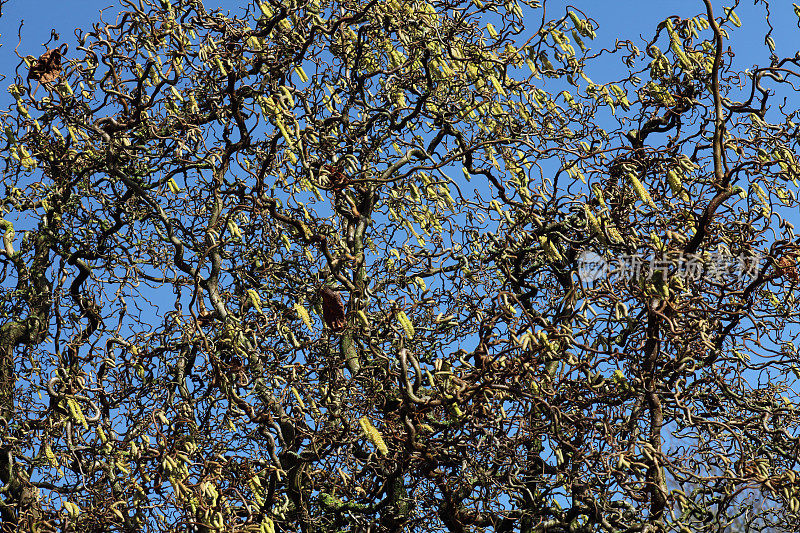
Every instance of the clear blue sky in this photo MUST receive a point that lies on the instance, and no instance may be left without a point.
(629, 18)
(617, 18)
(632, 19)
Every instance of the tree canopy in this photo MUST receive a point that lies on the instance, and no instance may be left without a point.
(420, 266)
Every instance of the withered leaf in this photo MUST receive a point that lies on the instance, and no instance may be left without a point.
(787, 266)
(333, 309)
(47, 67)
(337, 178)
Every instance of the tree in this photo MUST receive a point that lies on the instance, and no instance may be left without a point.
(325, 266)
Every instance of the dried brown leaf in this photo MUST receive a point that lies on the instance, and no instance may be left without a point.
(47, 68)
(333, 309)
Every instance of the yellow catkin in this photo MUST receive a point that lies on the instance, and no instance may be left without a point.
(373, 435)
(676, 186)
(255, 299)
(644, 196)
(173, 186)
(406, 324)
(594, 224)
(616, 238)
(73, 510)
(362, 316)
(598, 193)
(51, 457)
(303, 314)
(299, 399)
(550, 249)
(76, 412)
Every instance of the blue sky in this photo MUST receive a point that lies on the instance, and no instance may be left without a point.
(625, 19)
(633, 19)
(629, 18)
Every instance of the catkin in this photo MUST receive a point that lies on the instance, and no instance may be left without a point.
(675, 184)
(51, 457)
(255, 299)
(303, 314)
(594, 224)
(406, 324)
(373, 435)
(644, 196)
(76, 412)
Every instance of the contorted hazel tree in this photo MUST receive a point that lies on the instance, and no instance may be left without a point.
(190, 189)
